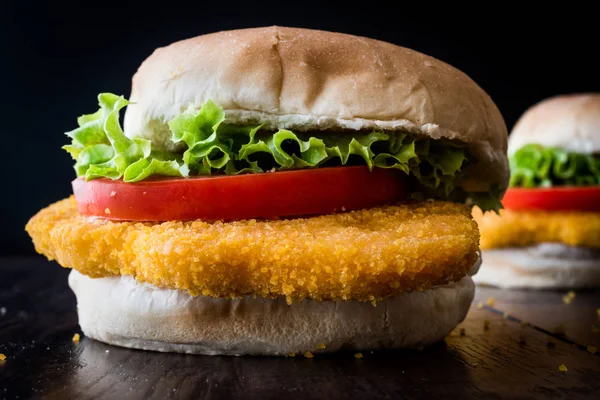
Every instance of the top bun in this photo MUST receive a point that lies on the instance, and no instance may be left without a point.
(571, 122)
(307, 80)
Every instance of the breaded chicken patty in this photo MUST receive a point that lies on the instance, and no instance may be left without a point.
(524, 228)
(367, 255)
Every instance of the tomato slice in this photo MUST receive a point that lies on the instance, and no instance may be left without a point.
(231, 197)
(560, 198)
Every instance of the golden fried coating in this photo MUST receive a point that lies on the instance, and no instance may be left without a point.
(524, 228)
(365, 255)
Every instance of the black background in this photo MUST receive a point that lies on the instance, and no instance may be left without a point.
(56, 57)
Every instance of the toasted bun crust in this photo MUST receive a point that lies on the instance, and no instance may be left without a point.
(546, 265)
(119, 311)
(571, 122)
(315, 80)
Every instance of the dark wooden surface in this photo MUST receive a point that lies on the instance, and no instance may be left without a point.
(517, 356)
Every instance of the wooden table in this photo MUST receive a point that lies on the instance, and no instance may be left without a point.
(511, 347)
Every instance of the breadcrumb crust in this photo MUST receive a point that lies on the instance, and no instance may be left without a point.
(524, 228)
(366, 255)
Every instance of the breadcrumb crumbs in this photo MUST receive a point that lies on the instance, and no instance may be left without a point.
(363, 255)
(2, 357)
(480, 305)
(562, 368)
(308, 354)
(321, 346)
(291, 354)
(491, 301)
(568, 298)
(592, 349)
(76, 338)
(358, 355)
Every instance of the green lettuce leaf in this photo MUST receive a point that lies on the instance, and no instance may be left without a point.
(487, 201)
(534, 165)
(101, 149)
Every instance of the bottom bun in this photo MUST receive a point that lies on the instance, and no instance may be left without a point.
(545, 265)
(120, 311)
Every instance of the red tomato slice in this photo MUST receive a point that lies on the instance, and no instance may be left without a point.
(231, 197)
(560, 198)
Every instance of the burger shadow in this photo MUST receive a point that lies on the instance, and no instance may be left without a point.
(113, 372)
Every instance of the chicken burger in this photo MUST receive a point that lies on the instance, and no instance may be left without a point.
(277, 191)
(548, 235)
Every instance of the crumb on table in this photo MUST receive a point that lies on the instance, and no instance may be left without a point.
(562, 368)
(592, 349)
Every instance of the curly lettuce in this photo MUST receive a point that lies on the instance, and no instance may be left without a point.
(211, 146)
(534, 165)
(101, 149)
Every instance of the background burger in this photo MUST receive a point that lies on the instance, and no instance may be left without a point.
(548, 235)
(278, 191)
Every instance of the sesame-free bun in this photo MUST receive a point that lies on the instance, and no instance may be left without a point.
(540, 266)
(120, 311)
(310, 80)
(571, 122)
